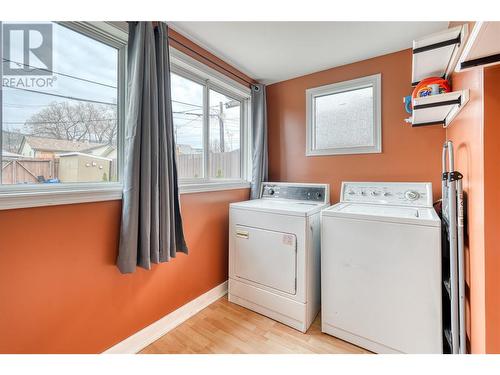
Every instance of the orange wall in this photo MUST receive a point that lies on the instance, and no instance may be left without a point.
(409, 154)
(492, 205)
(60, 291)
(476, 137)
(466, 132)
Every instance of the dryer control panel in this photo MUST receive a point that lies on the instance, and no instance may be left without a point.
(415, 194)
(318, 193)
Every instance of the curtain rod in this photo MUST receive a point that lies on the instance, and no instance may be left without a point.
(209, 60)
(155, 24)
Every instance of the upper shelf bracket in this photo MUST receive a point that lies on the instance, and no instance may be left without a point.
(437, 54)
(438, 109)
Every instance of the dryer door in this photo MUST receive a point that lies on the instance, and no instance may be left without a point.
(266, 257)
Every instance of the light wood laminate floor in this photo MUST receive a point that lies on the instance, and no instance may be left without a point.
(224, 327)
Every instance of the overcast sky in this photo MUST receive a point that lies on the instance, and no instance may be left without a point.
(73, 54)
(187, 98)
(77, 55)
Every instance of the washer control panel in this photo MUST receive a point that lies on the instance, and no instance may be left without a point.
(418, 194)
(318, 193)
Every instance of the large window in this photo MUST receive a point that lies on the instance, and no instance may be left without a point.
(62, 111)
(60, 105)
(210, 125)
(344, 118)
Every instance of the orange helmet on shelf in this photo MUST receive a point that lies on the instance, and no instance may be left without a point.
(431, 86)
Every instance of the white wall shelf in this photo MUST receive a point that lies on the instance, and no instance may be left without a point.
(482, 47)
(438, 109)
(437, 54)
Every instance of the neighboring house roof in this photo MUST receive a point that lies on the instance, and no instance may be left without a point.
(57, 145)
(85, 155)
(104, 152)
(184, 149)
(187, 149)
(10, 155)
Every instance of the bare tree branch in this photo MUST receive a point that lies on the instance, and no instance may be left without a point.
(88, 122)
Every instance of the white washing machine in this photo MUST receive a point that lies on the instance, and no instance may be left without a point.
(381, 268)
(274, 252)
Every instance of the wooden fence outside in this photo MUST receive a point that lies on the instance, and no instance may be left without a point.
(221, 164)
(28, 170)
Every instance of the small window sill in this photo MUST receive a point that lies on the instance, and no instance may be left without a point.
(19, 196)
(344, 151)
(202, 187)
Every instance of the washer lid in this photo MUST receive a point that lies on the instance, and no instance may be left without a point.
(380, 210)
(397, 214)
(283, 207)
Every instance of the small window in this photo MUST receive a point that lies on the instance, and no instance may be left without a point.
(345, 117)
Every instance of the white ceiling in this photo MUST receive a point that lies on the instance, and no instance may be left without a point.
(275, 51)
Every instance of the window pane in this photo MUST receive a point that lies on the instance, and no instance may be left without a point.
(225, 120)
(59, 107)
(344, 119)
(187, 105)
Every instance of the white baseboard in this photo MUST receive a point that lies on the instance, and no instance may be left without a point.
(139, 340)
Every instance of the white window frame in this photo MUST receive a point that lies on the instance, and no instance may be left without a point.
(187, 67)
(116, 35)
(36, 195)
(374, 81)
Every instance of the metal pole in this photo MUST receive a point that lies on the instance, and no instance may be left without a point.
(452, 209)
(221, 126)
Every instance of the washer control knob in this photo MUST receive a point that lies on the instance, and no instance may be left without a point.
(412, 195)
(271, 191)
(363, 192)
(374, 193)
(318, 195)
(387, 194)
(351, 192)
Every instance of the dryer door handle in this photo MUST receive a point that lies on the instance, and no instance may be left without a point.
(242, 234)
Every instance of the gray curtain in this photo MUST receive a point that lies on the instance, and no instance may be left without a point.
(259, 139)
(151, 226)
